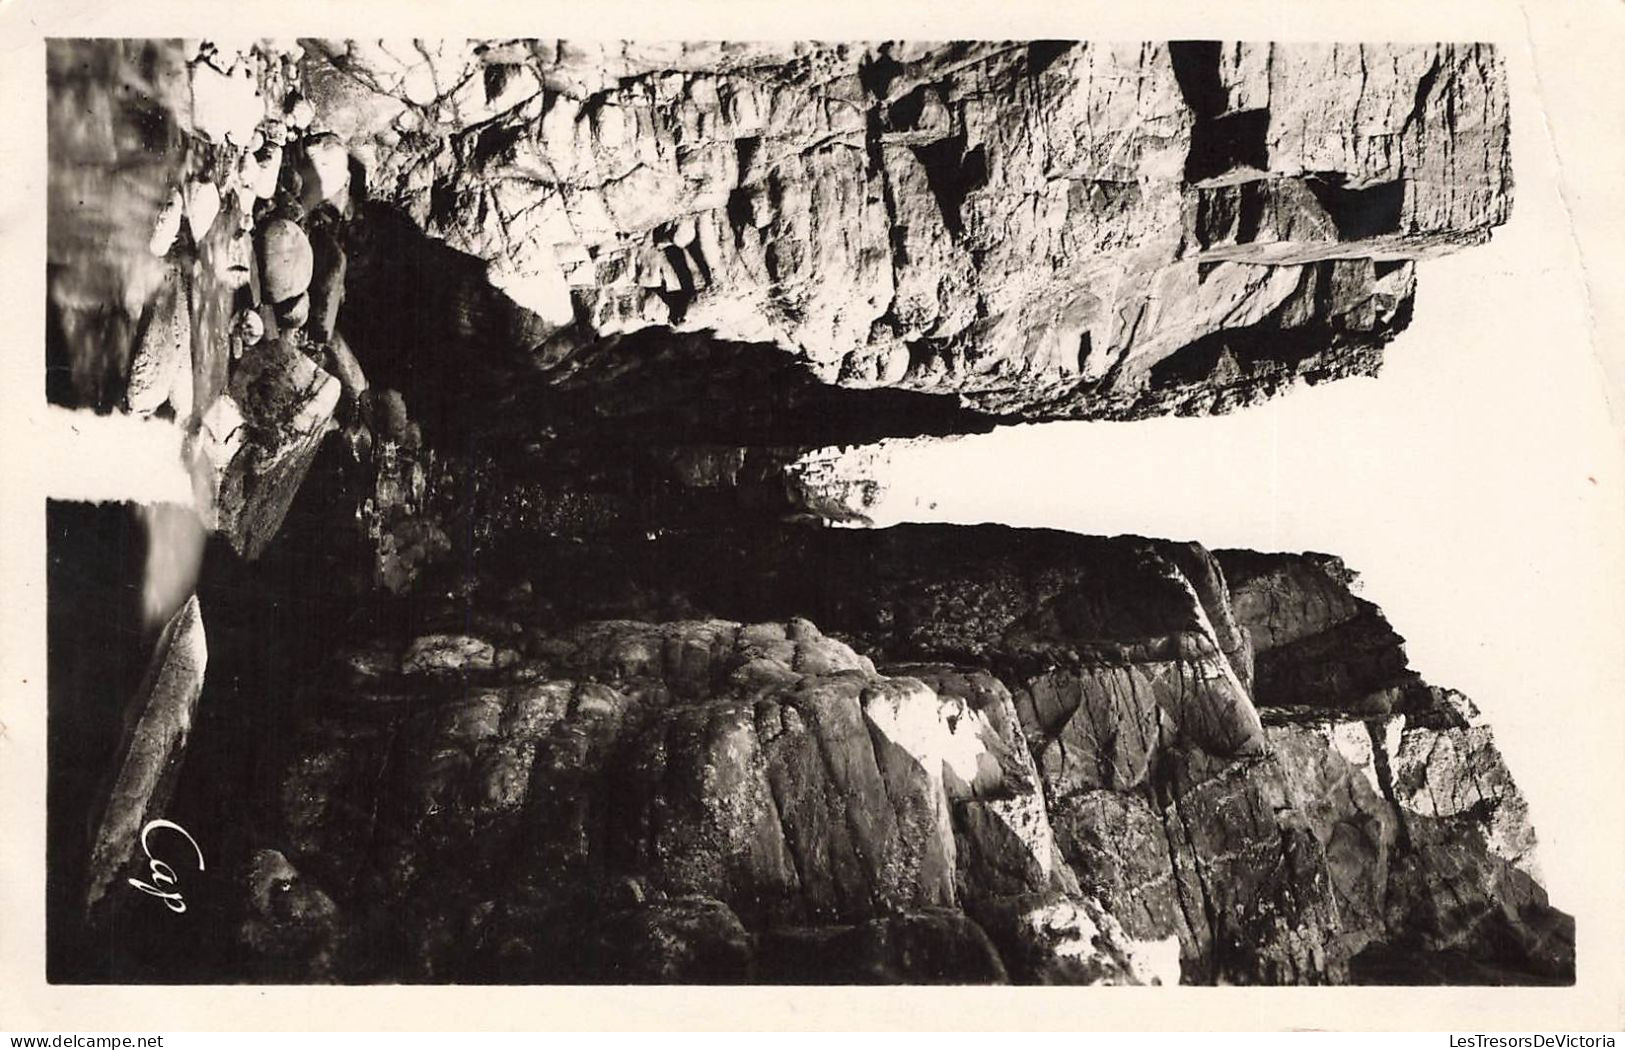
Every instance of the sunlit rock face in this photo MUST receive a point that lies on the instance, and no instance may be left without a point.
(522, 384)
(1018, 735)
(640, 282)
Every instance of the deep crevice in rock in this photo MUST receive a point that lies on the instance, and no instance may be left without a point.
(1221, 141)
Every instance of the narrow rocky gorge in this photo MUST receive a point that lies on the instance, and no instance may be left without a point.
(523, 384)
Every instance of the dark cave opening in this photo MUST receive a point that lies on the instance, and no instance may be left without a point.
(1361, 213)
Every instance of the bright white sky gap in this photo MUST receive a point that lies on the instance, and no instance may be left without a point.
(1468, 485)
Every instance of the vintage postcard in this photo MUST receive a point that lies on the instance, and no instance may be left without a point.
(721, 517)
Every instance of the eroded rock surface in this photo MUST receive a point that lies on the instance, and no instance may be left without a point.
(659, 281)
(995, 755)
(1043, 230)
(148, 760)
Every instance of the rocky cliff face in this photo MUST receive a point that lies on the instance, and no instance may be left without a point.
(984, 754)
(600, 264)
(519, 379)
(1041, 230)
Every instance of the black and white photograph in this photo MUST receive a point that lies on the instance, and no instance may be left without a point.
(753, 511)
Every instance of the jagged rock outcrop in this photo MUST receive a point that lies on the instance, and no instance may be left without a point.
(696, 262)
(1043, 229)
(148, 760)
(1030, 756)
(572, 253)
(761, 773)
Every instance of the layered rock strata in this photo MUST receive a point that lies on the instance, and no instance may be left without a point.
(609, 268)
(519, 378)
(1040, 230)
(1015, 756)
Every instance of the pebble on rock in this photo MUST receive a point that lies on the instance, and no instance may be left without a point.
(202, 207)
(300, 112)
(249, 327)
(325, 171)
(285, 260)
(168, 226)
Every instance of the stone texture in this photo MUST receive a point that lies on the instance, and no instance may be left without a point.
(763, 247)
(922, 947)
(287, 405)
(1059, 939)
(161, 370)
(1456, 771)
(786, 808)
(707, 759)
(113, 167)
(979, 230)
(148, 760)
(285, 260)
(146, 312)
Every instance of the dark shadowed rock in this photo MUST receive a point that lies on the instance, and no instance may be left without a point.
(906, 823)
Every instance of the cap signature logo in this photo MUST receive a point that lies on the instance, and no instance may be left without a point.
(161, 873)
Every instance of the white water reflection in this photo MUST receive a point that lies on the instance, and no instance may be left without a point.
(120, 458)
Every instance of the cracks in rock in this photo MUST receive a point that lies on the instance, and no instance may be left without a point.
(391, 757)
(869, 867)
(1171, 811)
(776, 800)
(876, 75)
(1424, 90)
(609, 389)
